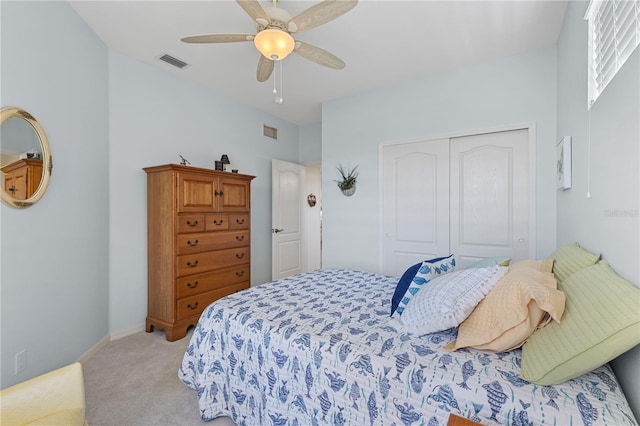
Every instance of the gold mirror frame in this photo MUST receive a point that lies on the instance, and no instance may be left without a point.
(47, 164)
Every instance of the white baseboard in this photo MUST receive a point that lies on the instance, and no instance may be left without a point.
(92, 351)
(110, 338)
(127, 332)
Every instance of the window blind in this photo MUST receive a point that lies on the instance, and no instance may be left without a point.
(614, 33)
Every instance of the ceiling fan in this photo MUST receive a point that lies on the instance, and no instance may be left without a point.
(275, 27)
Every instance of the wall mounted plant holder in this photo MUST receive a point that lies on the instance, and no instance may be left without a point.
(347, 182)
(349, 192)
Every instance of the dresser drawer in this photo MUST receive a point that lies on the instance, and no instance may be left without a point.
(238, 221)
(201, 262)
(191, 223)
(207, 241)
(192, 306)
(201, 283)
(217, 222)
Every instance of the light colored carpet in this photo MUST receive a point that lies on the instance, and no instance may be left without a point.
(134, 381)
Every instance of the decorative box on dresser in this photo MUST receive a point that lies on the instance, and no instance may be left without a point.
(198, 233)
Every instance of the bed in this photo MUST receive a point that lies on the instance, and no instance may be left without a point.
(321, 348)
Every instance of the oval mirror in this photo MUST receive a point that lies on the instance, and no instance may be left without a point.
(25, 158)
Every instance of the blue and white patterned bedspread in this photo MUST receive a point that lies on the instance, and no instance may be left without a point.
(317, 348)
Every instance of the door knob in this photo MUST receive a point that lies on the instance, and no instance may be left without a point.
(521, 240)
(277, 230)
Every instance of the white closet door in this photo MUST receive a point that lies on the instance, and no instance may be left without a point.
(415, 180)
(490, 196)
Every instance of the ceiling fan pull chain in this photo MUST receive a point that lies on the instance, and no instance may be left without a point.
(278, 67)
(275, 91)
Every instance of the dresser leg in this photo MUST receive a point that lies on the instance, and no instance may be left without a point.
(176, 333)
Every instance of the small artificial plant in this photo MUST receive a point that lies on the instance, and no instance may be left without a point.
(348, 176)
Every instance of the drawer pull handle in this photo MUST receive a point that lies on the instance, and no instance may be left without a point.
(240, 255)
(216, 193)
(192, 284)
(192, 244)
(240, 237)
(194, 223)
(240, 273)
(192, 307)
(240, 221)
(192, 265)
(218, 223)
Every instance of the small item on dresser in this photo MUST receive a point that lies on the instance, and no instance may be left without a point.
(234, 170)
(224, 160)
(183, 161)
(219, 165)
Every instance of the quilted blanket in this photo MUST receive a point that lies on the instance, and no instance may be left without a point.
(319, 348)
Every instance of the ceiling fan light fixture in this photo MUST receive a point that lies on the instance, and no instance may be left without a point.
(274, 44)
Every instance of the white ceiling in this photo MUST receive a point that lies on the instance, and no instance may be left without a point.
(382, 42)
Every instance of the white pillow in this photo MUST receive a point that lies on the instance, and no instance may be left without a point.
(449, 299)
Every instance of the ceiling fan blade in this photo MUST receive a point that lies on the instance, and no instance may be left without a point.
(265, 68)
(253, 9)
(319, 14)
(318, 55)
(218, 38)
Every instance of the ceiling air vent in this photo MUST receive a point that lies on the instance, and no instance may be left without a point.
(270, 132)
(173, 61)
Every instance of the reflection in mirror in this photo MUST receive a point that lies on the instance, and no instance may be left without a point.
(25, 159)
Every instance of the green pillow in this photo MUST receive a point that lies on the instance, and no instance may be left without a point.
(570, 259)
(601, 320)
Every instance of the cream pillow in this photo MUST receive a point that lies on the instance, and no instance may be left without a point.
(514, 308)
(545, 265)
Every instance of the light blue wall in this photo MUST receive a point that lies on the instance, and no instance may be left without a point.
(517, 90)
(608, 222)
(54, 278)
(310, 144)
(153, 117)
(74, 265)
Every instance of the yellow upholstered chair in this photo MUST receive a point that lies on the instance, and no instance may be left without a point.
(54, 398)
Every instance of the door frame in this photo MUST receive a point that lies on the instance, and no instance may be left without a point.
(529, 126)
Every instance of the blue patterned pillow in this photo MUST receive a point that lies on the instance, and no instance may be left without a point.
(417, 276)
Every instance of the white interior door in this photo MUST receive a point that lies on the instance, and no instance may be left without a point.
(288, 219)
(415, 198)
(490, 196)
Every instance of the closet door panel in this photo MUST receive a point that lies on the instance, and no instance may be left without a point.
(415, 203)
(490, 198)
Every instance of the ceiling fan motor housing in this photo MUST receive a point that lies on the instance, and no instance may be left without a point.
(279, 19)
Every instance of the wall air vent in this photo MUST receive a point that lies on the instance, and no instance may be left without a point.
(270, 132)
(173, 61)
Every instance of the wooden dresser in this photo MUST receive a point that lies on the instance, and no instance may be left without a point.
(22, 178)
(199, 244)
